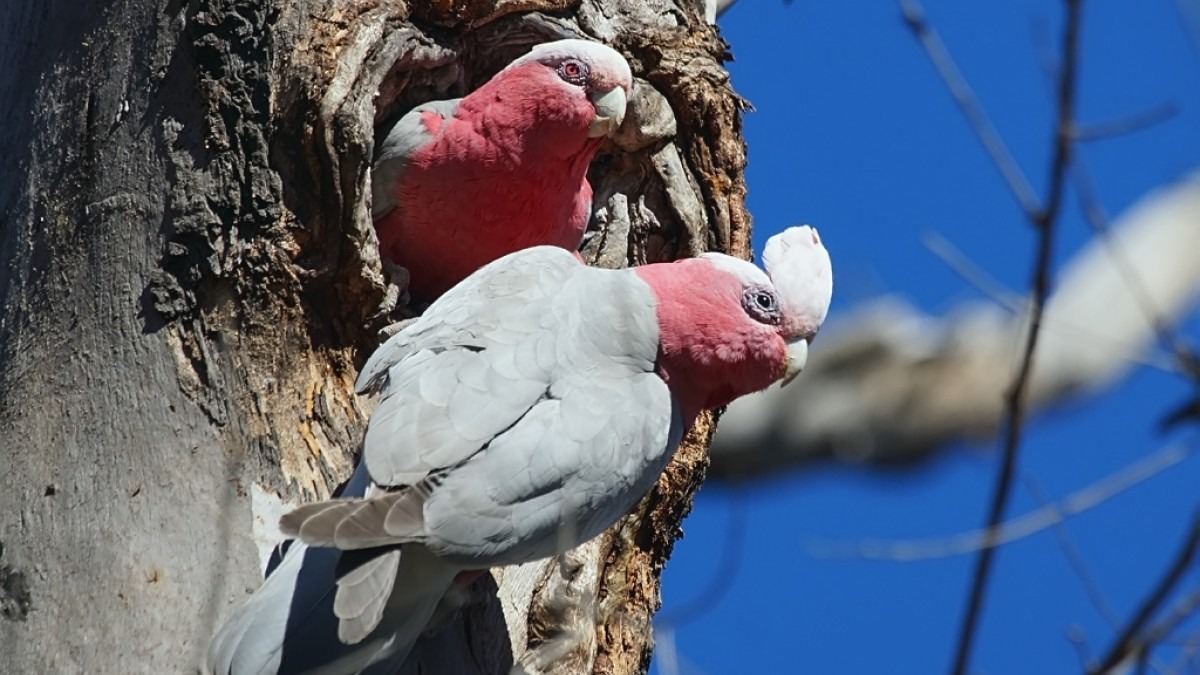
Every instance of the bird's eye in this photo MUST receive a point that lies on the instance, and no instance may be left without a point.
(762, 305)
(573, 71)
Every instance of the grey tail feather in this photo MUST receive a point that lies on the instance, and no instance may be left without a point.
(322, 524)
(363, 525)
(289, 625)
(316, 611)
(351, 524)
(405, 517)
(309, 522)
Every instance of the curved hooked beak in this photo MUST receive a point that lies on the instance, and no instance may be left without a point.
(610, 112)
(797, 356)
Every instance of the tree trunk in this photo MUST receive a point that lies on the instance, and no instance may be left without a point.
(189, 281)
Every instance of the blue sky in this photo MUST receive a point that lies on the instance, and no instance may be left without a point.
(855, 134)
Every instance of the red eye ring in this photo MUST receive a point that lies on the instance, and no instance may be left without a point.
(573, 71)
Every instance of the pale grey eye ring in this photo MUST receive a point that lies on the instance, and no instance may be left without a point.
(762, 305)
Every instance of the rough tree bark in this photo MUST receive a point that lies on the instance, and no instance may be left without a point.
(188, 283)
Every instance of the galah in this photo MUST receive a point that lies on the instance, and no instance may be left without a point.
(525, 412)
(457, 184)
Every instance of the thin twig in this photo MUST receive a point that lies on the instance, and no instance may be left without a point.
(1128, 643)
(1186, 361)
(1187, 652)
(1031, 523)
(1189, 12)
(1127, 125)
(1078, 640)
(1097, 218)
(975, 276)
(914, 18)
(1074, 558)
(968, 271)
(1182, 611)
(1090, 587)
(1044, 221)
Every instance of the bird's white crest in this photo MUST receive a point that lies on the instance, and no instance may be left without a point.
(746, 272)
(800, 269)
(598, 56)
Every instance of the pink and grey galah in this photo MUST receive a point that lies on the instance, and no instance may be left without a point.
(524, 413)
(457, 184)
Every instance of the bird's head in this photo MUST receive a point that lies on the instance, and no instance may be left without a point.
(590, 77)
(727, 329)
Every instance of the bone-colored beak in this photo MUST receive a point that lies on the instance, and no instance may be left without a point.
(610, 112)
(797, 356)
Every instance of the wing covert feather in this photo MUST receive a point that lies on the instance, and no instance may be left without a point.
(500, 303)
(409, 135)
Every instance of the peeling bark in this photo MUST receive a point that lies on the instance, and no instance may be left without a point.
(188, 281)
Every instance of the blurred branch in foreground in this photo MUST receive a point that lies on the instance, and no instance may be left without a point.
(1038, 520)
(888, 384)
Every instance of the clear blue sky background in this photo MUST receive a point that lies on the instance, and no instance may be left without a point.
(855, 134)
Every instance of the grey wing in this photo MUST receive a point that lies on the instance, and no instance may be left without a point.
(535, 347)
(408, 135)
(582, 456)
(499, 304)
(562, 475)
(478, 361)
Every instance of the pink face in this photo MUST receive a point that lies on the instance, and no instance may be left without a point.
(590, 73)
(727, 329)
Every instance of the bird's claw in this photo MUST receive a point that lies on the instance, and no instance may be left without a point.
(389, 330)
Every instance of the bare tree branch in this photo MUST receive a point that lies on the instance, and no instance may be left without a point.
(1184, 609)
(968, 271)
(1074, 558)
(935, 49)
(1127, 125)
(1045, 221)
(1190, 649)
(1130, 642)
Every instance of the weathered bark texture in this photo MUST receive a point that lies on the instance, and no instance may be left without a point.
(188, 280)
(890, 385)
